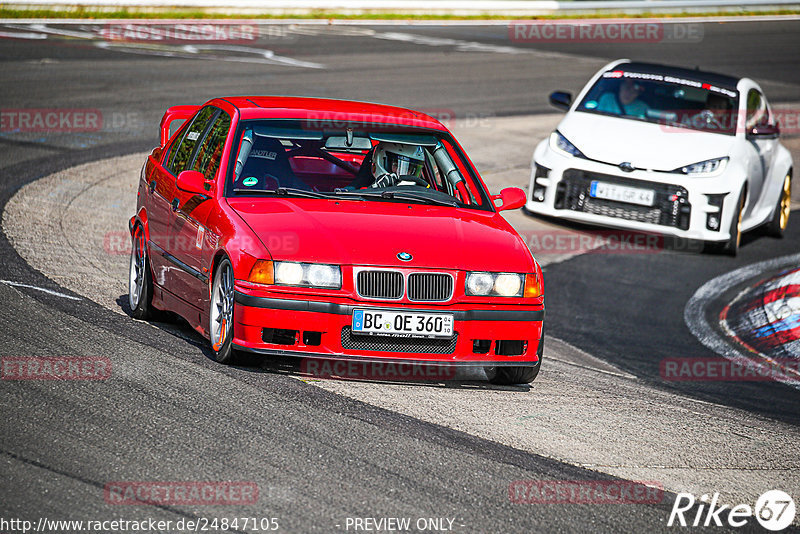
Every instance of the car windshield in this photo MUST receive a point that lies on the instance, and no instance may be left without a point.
(298, 158)
(668, 100)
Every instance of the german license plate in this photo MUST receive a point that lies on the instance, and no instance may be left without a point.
(401, 323)
(621, 193)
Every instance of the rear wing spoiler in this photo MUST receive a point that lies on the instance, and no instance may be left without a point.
(175, 113)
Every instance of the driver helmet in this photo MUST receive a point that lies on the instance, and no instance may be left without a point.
(397, 158)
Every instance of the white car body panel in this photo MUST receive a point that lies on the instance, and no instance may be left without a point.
(756, 165)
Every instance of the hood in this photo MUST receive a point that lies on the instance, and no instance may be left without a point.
(373, 233)
(645, 145)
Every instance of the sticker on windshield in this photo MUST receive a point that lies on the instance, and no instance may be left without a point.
(250, 181)
(669, 79)
(591, 104)
(266, 154)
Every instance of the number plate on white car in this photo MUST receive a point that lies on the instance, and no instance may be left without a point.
(401, 323)
(621, 193)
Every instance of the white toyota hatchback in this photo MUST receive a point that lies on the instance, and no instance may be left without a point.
(666, 150)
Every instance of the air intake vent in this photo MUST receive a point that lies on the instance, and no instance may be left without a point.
(430, 287)
(352, 341)
(380, 284)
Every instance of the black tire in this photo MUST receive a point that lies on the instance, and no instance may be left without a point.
(780, 216)
(140, 278)
(731, 246)
(509, 376)
(221, 312)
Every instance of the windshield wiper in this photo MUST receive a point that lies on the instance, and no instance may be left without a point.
(283, 192)
(392, 195)
(418, 198)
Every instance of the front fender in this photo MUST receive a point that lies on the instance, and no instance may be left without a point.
(140, 218)
(781, 166)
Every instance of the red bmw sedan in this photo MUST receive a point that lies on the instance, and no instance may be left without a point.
(333, 229)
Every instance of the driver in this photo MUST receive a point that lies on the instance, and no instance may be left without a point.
(397, 164)
(625, 101)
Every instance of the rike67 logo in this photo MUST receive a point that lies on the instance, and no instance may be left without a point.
(774, 510)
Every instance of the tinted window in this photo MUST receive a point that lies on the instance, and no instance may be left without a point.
(756, 109)
(209, 154)
(376, 163)
(664, 100)
(183, 154)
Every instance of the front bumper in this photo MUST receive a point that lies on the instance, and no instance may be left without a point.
(321, 329)
(682, 208)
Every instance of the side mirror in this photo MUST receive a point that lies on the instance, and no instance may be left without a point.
(765, 131)
(192, 182)
(561, 100)
(509, 198)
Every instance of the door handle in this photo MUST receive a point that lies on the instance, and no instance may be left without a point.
(175, 204)
(152, 186)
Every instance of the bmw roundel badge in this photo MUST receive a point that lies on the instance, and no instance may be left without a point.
(404, 256)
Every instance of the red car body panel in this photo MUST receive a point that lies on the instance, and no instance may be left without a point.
(187, 234)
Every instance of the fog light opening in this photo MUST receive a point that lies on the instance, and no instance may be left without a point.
(312, 338)
(481, 346)
(539, 189)
(279, 336)
(510, 347)
(713, 219)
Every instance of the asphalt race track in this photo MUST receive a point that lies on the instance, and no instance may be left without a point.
(323, 451)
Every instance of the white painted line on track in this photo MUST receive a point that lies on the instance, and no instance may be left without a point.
(694, 314)
(37, 288)
(188, 51)
(193, 52)
(21, 35)
(460, 45)
(43, 28)
(266, 54)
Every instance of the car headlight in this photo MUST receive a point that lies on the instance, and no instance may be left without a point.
(308, 274)
(710, 166)
(561, 144)
(494, 284)
(479, 283)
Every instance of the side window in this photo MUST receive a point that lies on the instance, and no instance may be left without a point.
(209, 154)
(183, 153)
(756, 109)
